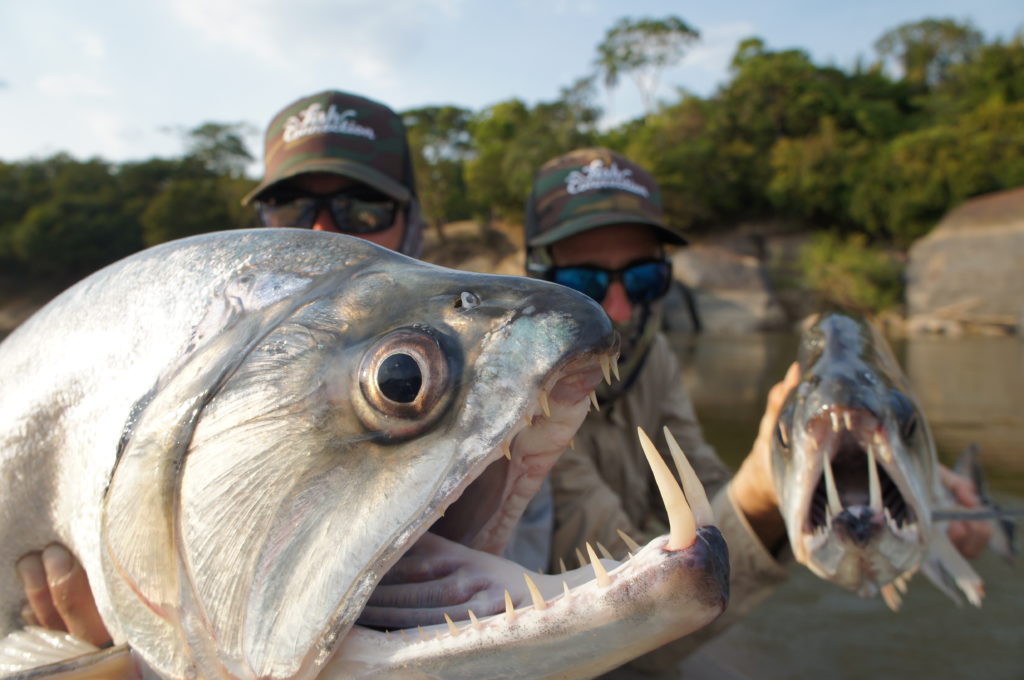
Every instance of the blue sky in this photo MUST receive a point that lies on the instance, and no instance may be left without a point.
(116, 78)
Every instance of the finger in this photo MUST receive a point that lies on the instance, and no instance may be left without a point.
(969, 538)
(961, 487)
(28, 616)
(33, 580)
(72, 596)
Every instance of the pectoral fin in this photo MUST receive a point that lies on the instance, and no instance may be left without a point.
(37, 653)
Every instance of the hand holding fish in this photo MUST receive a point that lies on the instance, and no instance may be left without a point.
(59, 596)
(752, 488)
(969, 537)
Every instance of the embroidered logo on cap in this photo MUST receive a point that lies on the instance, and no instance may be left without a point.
(596, 176)
(314, 121)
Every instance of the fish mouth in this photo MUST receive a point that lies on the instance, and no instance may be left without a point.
(449, 595)
(859, 492)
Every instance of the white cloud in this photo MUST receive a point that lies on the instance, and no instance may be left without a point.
(92, 45)
(368, 39)
(71, 85)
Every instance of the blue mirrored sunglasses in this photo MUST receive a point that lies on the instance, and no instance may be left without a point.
(644, 280)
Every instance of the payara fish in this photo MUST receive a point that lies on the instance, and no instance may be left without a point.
(248, 437)
(856, 470)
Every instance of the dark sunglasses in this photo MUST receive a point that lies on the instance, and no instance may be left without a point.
(644, 280)
(353, 212)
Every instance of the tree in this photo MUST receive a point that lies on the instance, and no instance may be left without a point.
(925, 51)
(641, 48)
(220, 147)
(186, 207)
(440, 142)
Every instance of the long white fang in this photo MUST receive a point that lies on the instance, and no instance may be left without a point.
(472, 618)
(581, 558)
(510, 610)
(544, 406)
(682, 526)
(830, 486)
(835, 420)
(847, 420)
(565, 588)
(452, 628)
(507, 450)
(604, 551)
(606, 369)
(615, 367)
(538, 599)
(694, 490)
(874, 488)
(561, 565)
(600, 573)
(633, 546)
(593, 400)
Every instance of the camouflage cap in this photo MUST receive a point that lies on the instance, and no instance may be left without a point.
(339, 133)
(590, 188)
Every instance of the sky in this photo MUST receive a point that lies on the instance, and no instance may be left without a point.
(121, 79)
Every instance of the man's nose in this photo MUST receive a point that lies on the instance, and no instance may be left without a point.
(325, 222)
(616, 303)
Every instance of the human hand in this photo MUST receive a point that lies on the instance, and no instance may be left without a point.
(969, 537)
(59, 596)
(752, 488)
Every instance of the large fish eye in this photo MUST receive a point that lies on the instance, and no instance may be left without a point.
(405, 383)
(399, 378)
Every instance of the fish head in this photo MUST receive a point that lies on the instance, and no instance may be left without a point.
(324, 420)
(853, 460)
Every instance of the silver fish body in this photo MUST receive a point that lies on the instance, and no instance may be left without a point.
(856, 470)
(239, 433)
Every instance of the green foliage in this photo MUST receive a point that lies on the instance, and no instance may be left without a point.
(851, 274)
(925, 51)
(511, 141)
(73, 235)
(219, 147)
(641, 48)
(186, 207)
(917, 177)
(440, 142)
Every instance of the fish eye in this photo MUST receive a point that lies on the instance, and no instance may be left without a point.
(405, 383)
(399, 378)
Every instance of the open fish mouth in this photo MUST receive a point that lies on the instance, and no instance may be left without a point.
(449, 593)
(855, 494)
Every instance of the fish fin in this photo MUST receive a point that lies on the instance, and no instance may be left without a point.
(38, 653)
(948, 570)
(1004, 527)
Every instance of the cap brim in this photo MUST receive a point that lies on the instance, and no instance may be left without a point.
(336, 166)
(604, 219)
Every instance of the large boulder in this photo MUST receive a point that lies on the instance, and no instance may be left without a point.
(729, 288)
(968, 273)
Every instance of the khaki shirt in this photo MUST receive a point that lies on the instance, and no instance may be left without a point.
(604, 483)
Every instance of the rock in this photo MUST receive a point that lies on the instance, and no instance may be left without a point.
(967, 275)
(730, 290)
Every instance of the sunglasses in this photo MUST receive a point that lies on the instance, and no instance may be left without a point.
(353, 212)
(645, 280)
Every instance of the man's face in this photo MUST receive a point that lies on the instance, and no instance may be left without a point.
(611, 248)
(322, 184)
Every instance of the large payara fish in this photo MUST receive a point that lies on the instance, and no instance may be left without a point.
(241, 433)
(856, 470)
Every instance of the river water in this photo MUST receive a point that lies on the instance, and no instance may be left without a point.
(972, 390)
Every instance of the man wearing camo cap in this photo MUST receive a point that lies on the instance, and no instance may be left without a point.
(594, 222)
(335, 161)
